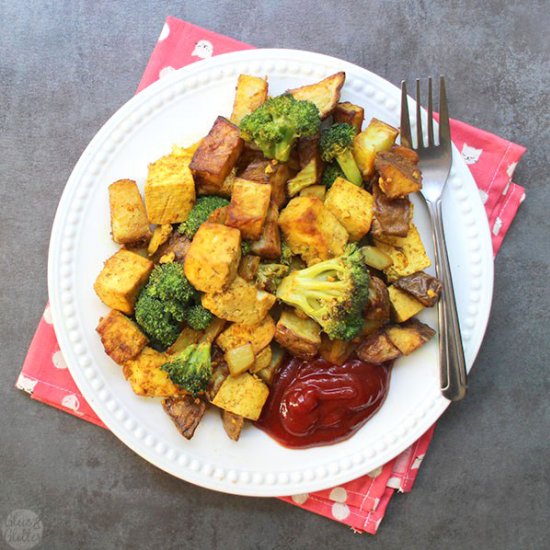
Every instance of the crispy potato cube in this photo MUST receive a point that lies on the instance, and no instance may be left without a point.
(317, 191)
(325, 94)
(121, 279)
(349, 113)
(169, 190)
(302, 337)
(312, 230)
(277, 356)
(378, 306)
(129, 223)
(403, 305)
(377, 348)
(241, 303)
(216, 156)
(259, 335)
(244, 395)
(147, 378)
(393, 216)
(308, 149)
(177, 244)
(186, 412)
(251, 92)
(265, 171)
(398, 176)
(406, 152)
(219, 215)
(160, 235)
(213, 258)
(232, 424)
(240, 359)
(377, 136)
(269, 244)
(248, 208)
(425, 288)
(410, 336)
(336, 352)
(249, 267)
(407, 253)
(352, 206)
(262, 360)
(121, 337)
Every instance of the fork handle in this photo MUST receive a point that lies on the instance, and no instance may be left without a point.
(451, 353)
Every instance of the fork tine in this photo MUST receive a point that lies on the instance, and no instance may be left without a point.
(430, 115)
(419, 139)
(405, 125)
(444, 128)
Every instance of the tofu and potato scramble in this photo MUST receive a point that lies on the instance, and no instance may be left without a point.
(286, 231)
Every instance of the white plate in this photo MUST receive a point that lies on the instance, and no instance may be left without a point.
(177, 110)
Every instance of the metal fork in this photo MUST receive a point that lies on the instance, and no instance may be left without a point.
(435, 164)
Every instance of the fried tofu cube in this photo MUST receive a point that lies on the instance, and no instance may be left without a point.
(213, 258)
(121, 279)
(129, 223)
(269, 244)
(265, 171)
(348, 113)
(398, 175)
(352, 206)
(300, 336)
(407, 253)
(259, 335)
(120, 337)
(403, 305)
(216, 156)
(241, 303)
(312, 230)
(410, 336)
(325, 94)
(377, 136)
(318, 191)
(251, 92)
(248, 208)
(169, 190)
(243, 395)
(147, 378)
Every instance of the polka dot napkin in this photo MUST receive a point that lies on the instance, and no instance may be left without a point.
(360, 504)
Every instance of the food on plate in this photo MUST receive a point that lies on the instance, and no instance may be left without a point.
(272, 269)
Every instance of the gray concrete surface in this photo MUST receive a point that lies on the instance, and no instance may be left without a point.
(67, 65)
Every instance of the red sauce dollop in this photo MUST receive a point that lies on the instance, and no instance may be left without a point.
(313, 402)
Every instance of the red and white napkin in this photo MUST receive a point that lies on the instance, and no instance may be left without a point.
(361, 503)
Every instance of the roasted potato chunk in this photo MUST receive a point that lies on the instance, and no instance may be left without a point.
(393, 216)
(241, 303)
(251, 92)
(129, 223)
(377, 348)
(259, 335)
(232, 424)
(398, 176)
(267, 172)
(277, 356)
(312, 230)
(121, 337)
(325, 94)
(377, 136)
(425, 288)
(336, 352)
(410, 336)
(216, 156)
(302, 337)
(169, 190)
(262, 360)
(378, 305)
(351, 114)
(269, 244)
(249, 267)
(352, 206)
(403, 305)
(248, 208)
(213, 258)
(186, 412)
(121, 279)
(406, 152)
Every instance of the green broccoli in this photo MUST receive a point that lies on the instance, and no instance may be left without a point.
(278, 123)
(198, 317)
(199, 214)
(334, 293)
(286, 254)
(246, 248)
(156, 322)
(330, 173)
(336, 144)
(269, 276)
(191, 369)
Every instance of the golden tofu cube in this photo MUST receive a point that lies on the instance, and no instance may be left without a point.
(259, 335)
(244, 395)
(251, 92)
(241, 303)
(121, 279)
(410, 336)
(407, 253)
(169, 190)
(120, 337)
(129, 223)
(377, 136)
(147, 378)
(213, 258)
(352, 205)
(403, 305)
(312, 230)
(398, 175)
(318, 191)
(325, 94)
(160, 235)
(248, 208)
(348, 113)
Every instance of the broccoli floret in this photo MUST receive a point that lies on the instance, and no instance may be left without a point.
(278, 123)
(191, 369)
(198, 317)
(334, 293)
(336, 144)
(155, 321)
(331, 172)
(199, 214)
(246, 248)
(286, 254)
(269, 276)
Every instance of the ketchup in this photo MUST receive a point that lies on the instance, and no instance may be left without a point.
(313, 402)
